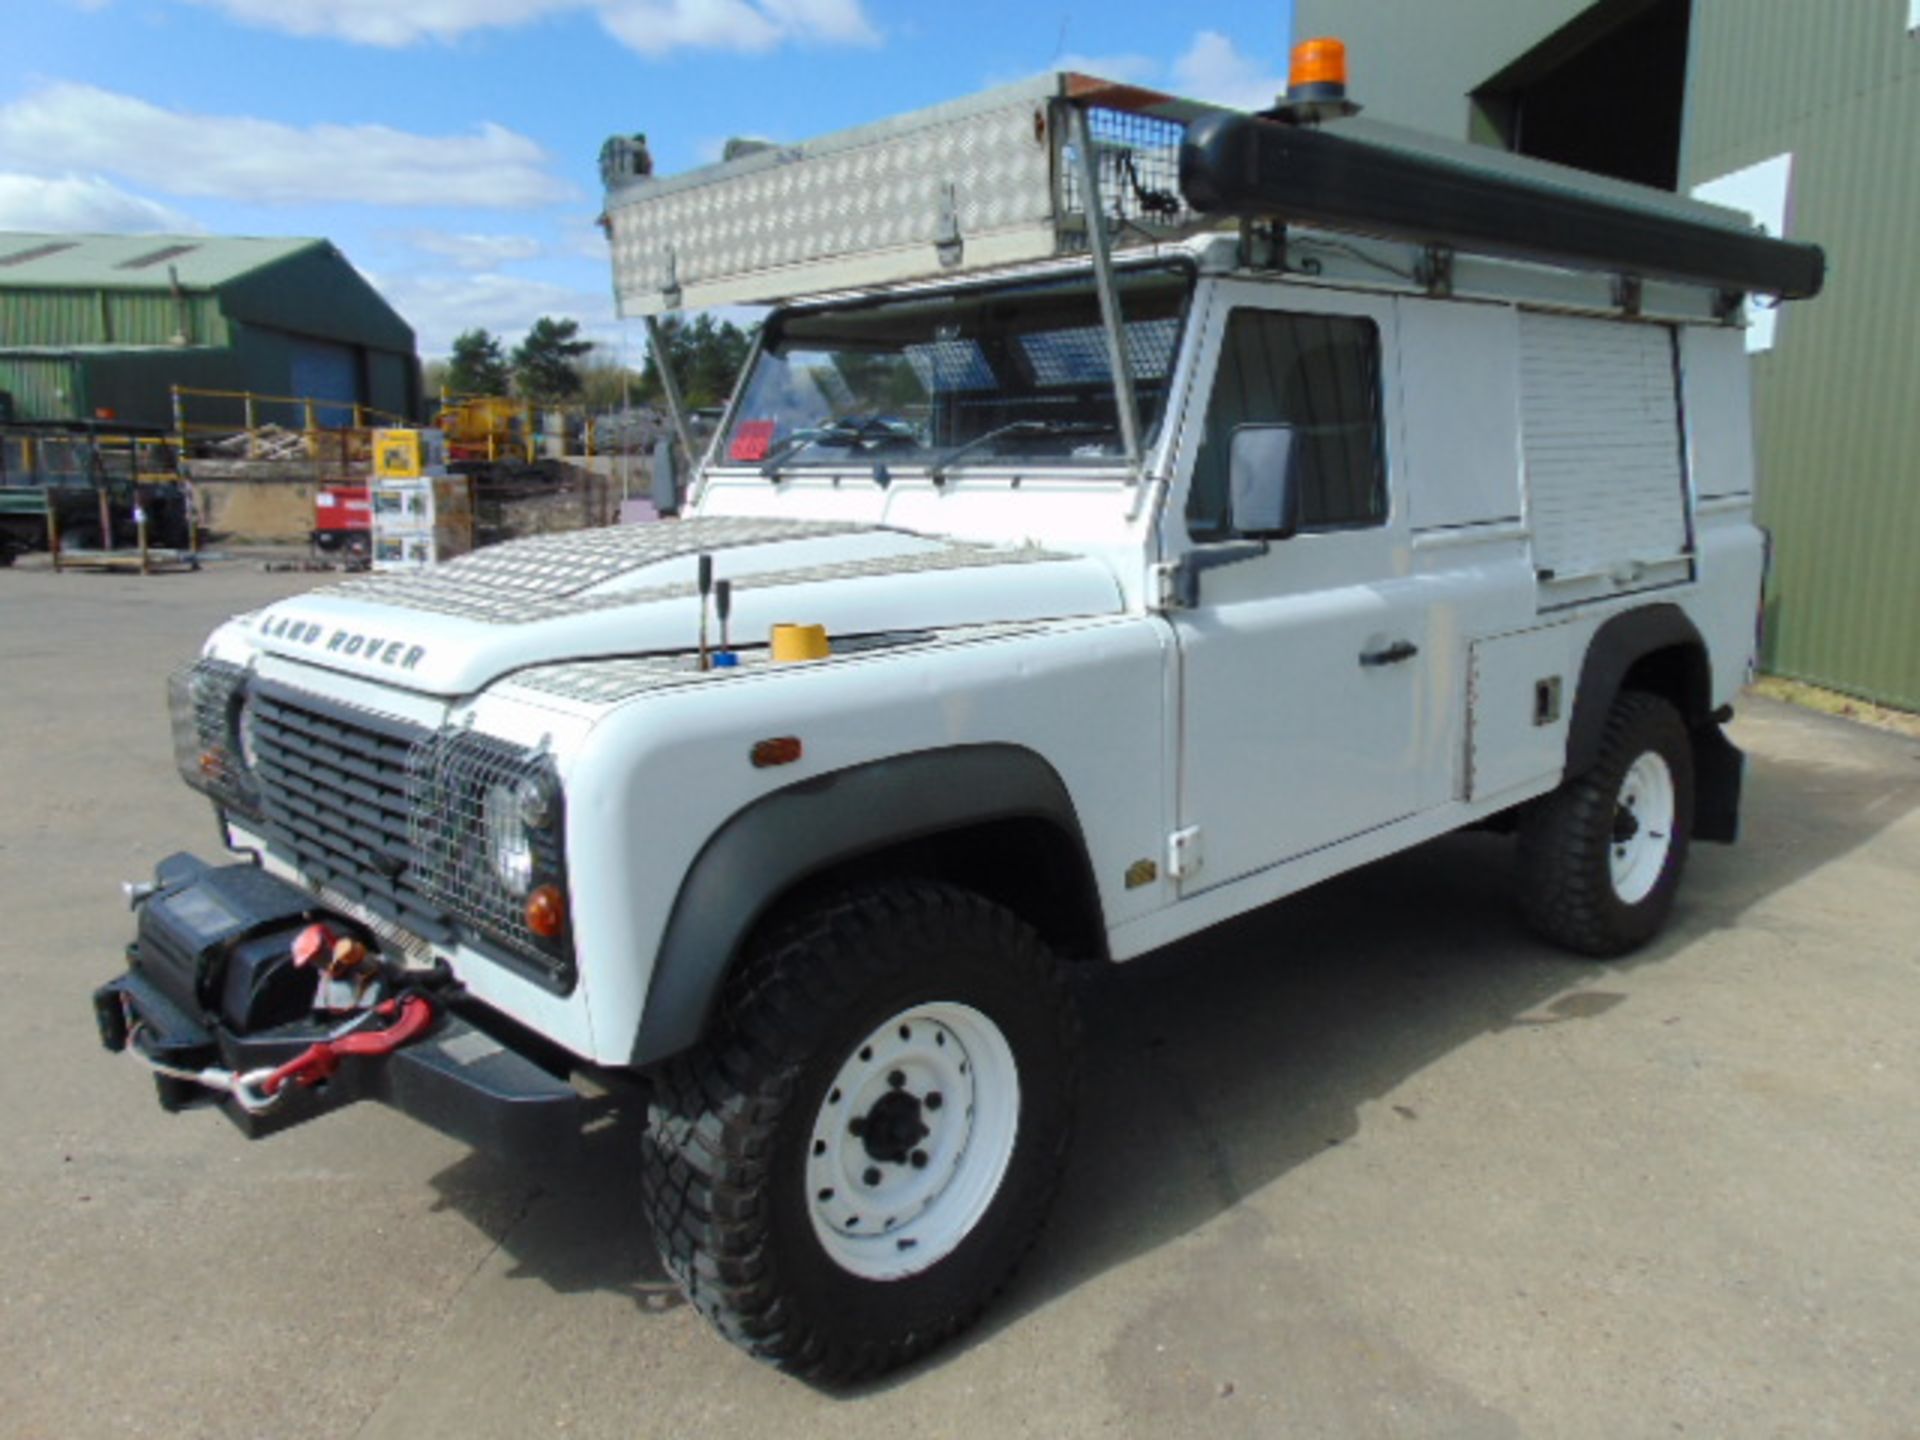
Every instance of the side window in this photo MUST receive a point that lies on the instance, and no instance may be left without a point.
(1319, 374)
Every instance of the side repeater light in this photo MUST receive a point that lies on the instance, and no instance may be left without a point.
(781, 750)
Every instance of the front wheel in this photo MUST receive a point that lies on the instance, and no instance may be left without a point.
(1600, 858)
(856, 1160)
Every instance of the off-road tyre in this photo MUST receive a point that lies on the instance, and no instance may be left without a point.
(735, 1124)
(1568, 840)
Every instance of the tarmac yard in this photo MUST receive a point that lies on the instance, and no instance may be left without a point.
(1370, 1163)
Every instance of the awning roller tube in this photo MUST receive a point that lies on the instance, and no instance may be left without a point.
(1244, 165)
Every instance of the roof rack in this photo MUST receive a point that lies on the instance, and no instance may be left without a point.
(996, 179)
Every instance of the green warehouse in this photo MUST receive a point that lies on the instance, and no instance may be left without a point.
(97, 325)
(1804, 114)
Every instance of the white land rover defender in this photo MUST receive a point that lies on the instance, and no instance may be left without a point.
(1340, 490)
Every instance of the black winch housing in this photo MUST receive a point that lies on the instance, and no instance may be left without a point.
(210, 982)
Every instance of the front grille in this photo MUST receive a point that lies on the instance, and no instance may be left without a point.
(335, 794)
(390, 816)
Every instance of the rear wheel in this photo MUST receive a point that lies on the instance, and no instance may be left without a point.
(857, 1159)
(1601, 857)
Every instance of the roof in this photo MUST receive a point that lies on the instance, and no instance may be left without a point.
(136, 262)
(68, 352)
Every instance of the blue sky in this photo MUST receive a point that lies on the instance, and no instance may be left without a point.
(449, 146)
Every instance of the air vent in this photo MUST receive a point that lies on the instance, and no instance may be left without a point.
(156, 257)
(38, 252)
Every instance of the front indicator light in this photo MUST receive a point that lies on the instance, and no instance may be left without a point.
(547, 912)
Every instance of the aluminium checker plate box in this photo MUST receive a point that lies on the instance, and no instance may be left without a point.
(883, 203)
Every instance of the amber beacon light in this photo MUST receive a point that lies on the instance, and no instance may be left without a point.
(1317, 83)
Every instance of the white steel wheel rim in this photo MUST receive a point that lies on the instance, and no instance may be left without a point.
(1642, 828)
(886, 1203)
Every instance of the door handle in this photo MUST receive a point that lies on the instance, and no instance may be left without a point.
(1392, 655)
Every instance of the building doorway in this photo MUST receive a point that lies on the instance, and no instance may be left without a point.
(1606, 93)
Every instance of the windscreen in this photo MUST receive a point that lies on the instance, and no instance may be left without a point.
(999, 375)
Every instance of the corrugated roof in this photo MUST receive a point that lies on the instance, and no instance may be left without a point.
(136, 262)
(30, 352)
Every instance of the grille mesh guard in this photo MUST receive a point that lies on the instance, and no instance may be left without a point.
(451, 773)
(203, 700)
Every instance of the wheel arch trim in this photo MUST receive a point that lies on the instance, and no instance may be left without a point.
(1620, 644)
(775, 843)
(1617, 646)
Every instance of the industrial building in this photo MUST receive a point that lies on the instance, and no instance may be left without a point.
(1806, 116)
(104, 326)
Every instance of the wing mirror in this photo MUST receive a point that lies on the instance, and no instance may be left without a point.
(1265, 467)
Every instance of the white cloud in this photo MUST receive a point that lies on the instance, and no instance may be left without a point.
(384, 22)
(440, 305)
(1213, 68)
(652, 27)
(655, 27)
(476, 252)
(84, 203)
(82, 127)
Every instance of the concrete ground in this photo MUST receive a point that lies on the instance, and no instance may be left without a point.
(1372, 1163)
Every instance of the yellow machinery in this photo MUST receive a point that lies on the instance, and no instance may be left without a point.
(484, 427)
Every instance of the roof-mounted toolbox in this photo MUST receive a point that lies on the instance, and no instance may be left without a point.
(971, 185)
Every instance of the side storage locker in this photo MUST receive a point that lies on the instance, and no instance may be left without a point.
(1604, 456)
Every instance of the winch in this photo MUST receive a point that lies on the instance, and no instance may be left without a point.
(242, 990)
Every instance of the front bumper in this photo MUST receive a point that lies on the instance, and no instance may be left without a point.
(209, 984)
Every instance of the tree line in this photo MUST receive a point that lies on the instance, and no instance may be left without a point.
(554, 365)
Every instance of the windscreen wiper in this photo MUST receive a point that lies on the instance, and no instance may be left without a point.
(849, 432)
(938, 470)
(840, 433)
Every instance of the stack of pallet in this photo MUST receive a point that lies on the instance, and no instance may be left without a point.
(421, 514)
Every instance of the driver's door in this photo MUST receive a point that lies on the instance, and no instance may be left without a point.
(1302, 669)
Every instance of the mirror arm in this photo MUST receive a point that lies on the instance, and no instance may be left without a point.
(1185, 573)
(670, 386)
(1109, 292)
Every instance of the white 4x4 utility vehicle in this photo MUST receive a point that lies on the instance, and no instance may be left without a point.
(1051, 591)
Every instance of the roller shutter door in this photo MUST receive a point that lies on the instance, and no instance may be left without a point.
(1600, 436)
(326, 372)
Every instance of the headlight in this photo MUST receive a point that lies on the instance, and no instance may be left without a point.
(486, 826)
(213, 741)
(509, 843)
(245, 733)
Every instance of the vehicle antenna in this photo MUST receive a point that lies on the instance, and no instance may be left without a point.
(706, 589)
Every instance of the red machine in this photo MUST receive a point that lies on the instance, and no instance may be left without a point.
(343, 519)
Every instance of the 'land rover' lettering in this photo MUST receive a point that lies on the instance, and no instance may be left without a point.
(377, 648)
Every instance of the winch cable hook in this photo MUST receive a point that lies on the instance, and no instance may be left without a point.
(259, 1090)
(412, 1013)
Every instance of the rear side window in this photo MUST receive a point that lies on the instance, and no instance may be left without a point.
(1319, 374)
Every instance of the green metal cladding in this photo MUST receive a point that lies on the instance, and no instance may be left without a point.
(113, 321)
(1837, 399)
